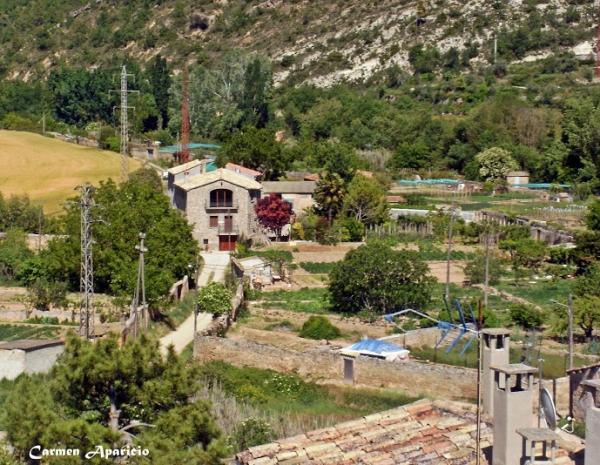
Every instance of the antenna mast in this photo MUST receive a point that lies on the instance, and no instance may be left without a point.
(86, 283)
(185, 117)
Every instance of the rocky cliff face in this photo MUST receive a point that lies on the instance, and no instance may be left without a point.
(323, 42)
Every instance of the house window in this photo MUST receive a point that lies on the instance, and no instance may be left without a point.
(221, 198)
(213, 221)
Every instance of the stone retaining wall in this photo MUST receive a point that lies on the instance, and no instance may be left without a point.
(323, 364)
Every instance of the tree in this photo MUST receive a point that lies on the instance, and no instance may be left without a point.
(254, 103)
(273, 213)
(125, 211)
(526, 316)
(586, 313)
(423, 59)
(336, 158)
(81, 96)
(257, 149)
(495, 163)
(592, 219)
(366, 201)
(475, 270)
(71, 405)
(525, 252)
(587, 300)
(160, 82)
(13, 253)
(379, 279)
(329, 195)
(215, 298)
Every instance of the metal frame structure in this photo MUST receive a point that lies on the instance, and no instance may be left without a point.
(124, 107)
(463, 326)
(140, 287)
(86, 283)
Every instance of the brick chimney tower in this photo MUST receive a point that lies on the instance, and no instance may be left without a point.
(496, 351)
(513, 410)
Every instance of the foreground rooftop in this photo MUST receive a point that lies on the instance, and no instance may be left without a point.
(425, 432)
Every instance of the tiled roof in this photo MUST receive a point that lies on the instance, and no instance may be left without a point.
(218, 175)
(424, 433)
(242, 170)
(289, 187)
(184, 167)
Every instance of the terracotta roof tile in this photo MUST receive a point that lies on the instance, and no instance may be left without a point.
(424, 433)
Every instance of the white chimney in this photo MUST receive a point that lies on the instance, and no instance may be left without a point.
(592, 421)
(513, 410)
(496, 351)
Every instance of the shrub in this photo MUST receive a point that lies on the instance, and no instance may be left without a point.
(251, 432)
(319, 327)
(525, 316)
(214, 298)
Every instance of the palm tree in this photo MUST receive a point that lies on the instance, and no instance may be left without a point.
(329, 195)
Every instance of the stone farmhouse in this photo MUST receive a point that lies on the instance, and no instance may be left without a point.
(219, 204)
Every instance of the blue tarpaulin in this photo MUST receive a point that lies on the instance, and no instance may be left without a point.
(377, 348)
(191, 146)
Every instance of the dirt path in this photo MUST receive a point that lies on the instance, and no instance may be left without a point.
(215, 264)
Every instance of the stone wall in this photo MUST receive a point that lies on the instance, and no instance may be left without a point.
(322, 363)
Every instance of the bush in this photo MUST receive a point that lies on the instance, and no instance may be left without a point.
(251, 432)
(214, 298)
(319, 327)
(43, 293)
(525, 316)
(475, 270)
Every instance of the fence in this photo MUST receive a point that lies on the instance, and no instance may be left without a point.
(424, 229)
(137, 321)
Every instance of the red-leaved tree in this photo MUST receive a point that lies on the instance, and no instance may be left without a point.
(273, 213)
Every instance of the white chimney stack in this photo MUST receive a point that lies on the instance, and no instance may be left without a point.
(513, 410)
(592, 421)
(496, 351)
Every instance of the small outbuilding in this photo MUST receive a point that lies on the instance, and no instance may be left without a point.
(258, 271)
(517, 178)
(28, 356)
(378, 349)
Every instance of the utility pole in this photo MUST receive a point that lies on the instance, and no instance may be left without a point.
(140, 286)
(487, 270)
(449, 253)
(569, 308)
(479, 370)
(86, 282)
(597, 67)
(185, 117)
(124, 108)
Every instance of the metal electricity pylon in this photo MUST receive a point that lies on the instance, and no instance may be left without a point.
(124, 146)
(140, 287)
(86, 282)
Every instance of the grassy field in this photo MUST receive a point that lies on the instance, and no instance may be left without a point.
(289, 393)
(305, 300)
(554, 365)
(13, 332)
(48, 169)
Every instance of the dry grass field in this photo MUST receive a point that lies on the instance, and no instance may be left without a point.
(48, 170)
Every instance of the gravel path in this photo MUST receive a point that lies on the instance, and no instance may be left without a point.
(215, 264)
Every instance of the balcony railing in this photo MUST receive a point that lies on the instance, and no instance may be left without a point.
(220, 205)
(228, 229)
